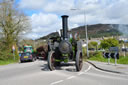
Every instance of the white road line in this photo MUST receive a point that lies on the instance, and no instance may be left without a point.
(56, 82)
(85, 70)
(107, 72)
(88, 69)
(71, 77)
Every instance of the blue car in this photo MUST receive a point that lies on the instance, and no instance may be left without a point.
(27, 56)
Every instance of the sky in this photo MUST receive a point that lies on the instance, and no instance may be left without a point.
(45, 15)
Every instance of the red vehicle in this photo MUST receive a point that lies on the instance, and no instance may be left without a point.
(42, 52)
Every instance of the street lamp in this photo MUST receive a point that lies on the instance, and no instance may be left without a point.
(85, 26)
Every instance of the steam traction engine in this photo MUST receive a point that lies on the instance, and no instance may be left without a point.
(63, 48)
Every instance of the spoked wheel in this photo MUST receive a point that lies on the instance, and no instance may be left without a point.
(51, 60)
(79, 61)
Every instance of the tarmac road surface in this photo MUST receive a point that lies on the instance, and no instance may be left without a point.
(37, 73)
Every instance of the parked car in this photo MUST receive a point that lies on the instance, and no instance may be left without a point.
(27, 56)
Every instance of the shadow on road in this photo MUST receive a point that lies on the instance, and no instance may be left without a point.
(25, 62)
(63, 66)
(44, 67)
(71, 70)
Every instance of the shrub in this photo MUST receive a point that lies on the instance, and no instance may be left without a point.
(7, 54)
(107, 43)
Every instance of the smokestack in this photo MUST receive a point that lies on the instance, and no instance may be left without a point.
(65, 26)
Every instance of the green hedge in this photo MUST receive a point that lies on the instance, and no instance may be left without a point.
(6, 55)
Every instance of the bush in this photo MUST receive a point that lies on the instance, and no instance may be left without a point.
(95, 54)
(6, 53)
(93, 44)
(107, 43)
(84, 53)
(98, 56)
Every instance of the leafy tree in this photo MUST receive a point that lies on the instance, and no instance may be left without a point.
(12, 24)
(93, 44)
(107, 43)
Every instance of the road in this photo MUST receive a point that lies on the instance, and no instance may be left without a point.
(37, 73)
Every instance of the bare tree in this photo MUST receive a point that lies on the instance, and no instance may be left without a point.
(12, 22)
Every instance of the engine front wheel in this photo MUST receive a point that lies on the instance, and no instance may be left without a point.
(51, 60)
(79, 61)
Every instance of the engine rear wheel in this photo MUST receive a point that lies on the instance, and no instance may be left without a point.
(79, 61)
(51, 60)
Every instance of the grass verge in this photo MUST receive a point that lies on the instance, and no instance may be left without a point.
(97, 56)
(7, 62)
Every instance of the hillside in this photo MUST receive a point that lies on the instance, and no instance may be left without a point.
(98, 30)
(94, 31)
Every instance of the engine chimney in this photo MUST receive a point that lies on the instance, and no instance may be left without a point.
(65, 26)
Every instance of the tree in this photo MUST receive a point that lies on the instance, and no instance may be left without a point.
(107, 43)
(93, 44)
(12, 22)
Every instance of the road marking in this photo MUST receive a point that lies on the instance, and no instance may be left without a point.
(88, 69)
(107, 72)
(71, 77)
(80, 73)
(56, 82)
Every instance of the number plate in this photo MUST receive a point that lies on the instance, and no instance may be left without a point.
(25, 56)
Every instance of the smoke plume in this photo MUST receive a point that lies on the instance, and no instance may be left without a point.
(123, 29)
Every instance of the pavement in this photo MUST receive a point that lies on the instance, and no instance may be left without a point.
(37, 73)
(118, 68)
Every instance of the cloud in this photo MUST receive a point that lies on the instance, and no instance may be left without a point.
(97, 11)
(59, 6)
(43, 24)
(78, 19)
(43, 19)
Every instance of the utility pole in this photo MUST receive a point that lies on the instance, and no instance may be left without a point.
(86, 31)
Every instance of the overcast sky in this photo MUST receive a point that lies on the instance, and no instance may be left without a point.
(45, 15)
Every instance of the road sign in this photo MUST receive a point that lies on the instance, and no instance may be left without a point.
(13, 48)
(114, 49)
(115, 55)
(106, 55)
(111, 55)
